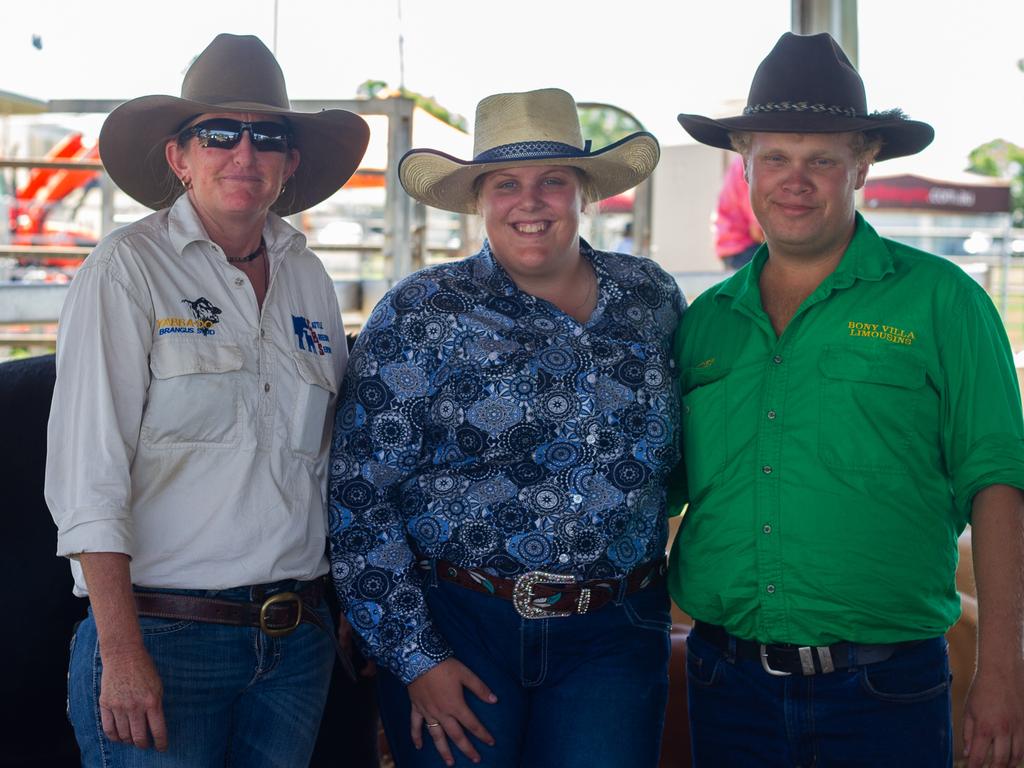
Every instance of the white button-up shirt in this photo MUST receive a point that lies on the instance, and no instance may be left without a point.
(189, 429)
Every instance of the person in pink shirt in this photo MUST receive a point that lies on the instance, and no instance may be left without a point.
(737, 233)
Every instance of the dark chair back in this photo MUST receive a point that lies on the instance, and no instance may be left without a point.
(41, 612)
(37, 600)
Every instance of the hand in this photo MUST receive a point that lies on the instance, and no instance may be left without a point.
(994, 720)
(439, 704)
(131, 699)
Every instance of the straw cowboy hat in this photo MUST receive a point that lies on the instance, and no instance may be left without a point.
(533, 128)
(807, 85)
(234, 74)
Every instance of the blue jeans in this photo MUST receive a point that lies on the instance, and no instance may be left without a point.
(890, 713)
(232, 695)
(573, 692)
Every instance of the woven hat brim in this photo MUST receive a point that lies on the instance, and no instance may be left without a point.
(132, 139)
(900, 136)
(445, 182)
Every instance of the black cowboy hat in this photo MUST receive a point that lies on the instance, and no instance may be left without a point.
(808, 85)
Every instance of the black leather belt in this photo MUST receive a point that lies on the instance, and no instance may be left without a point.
(784, 659)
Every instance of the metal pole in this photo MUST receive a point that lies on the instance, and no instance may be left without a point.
(1004, 265)
(837, 17)
(398, 205)
(274, 48)
(107, 189)
(401, 51)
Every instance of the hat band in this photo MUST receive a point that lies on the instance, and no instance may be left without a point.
(799, 106)
(531, 150)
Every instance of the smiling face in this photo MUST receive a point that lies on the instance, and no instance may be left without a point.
(532, 218)
(802, 189)
(237, 184)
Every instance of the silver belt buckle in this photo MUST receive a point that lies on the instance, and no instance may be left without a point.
(766, 667)
(807, 654)
(522, 594)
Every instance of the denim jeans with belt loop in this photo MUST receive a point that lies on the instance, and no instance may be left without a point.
(581, 691)
(233, 696)
(892, 713)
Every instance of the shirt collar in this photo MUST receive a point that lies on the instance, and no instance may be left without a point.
(184, 228)
(867, 257)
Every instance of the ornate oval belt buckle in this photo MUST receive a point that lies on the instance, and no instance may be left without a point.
(526, 604)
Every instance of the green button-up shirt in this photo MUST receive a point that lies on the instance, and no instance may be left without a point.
(829, 471)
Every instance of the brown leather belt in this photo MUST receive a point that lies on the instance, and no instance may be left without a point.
(541, 595)
(275, 615)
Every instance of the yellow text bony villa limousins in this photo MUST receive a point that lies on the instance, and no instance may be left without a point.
(884, 332)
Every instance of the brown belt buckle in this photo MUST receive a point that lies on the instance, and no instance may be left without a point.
(280, 597)
(522, 595)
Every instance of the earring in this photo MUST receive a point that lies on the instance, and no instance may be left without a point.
(283, 188)
(186, 183)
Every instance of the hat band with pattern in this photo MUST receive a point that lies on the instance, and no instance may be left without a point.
(799, 106)
(531, 150)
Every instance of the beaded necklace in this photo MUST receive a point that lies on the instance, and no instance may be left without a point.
(262, 248)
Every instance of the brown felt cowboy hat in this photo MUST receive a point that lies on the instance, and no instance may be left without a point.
(532, 128)
(808, 85)
(236, 73)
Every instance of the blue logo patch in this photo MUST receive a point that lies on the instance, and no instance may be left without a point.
(311, 335)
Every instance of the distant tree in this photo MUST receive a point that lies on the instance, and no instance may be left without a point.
(370, 89)
(378, 89)
(604, 124)
(1005, 160)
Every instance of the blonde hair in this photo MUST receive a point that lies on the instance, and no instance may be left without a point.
(865, 144)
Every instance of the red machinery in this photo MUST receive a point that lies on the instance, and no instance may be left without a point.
(46, 188)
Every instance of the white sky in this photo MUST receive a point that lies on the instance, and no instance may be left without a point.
(949, 62)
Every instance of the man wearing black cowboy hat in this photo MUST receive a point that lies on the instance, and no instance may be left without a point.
(849, 406)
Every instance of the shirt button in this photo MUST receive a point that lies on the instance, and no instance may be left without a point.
(266, 387)
(263, 332)
(686, 410)
(770, 589)
(767, 528)
(239, 282)
(777, 359)
(766, 469)
(771, 414)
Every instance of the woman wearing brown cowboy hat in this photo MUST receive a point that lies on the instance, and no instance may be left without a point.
(199, 352)
(497, 475)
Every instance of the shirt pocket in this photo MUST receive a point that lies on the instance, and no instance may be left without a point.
(705, 428)
(309, 417)
(869, 403)
(194, 395)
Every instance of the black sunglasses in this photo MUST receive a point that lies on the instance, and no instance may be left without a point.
(225, 133)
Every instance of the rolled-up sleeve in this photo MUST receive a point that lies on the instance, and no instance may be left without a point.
(983, 430)
(103, 343)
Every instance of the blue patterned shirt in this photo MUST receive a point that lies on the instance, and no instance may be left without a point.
(482, 425)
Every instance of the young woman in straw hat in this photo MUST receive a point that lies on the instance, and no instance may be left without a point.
(501, 445)
(199, 352)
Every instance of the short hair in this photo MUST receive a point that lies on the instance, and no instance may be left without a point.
(865, 144)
